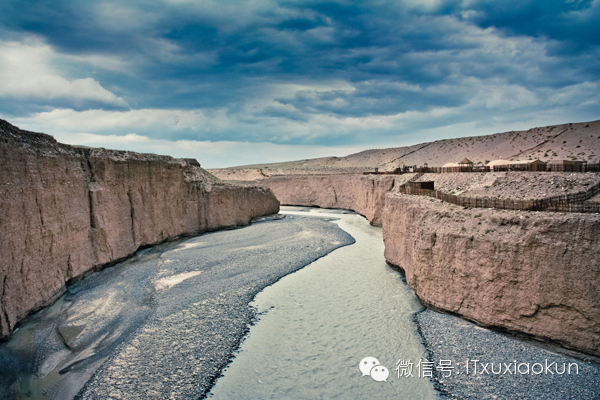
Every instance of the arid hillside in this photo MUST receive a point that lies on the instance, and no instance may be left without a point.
(577, 141)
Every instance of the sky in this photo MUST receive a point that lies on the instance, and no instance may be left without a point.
(239, 82)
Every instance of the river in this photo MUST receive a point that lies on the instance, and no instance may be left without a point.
(168, 322)
(318, 323)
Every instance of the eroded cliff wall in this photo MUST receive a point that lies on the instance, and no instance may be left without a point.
(537, 273)
(364, 194)
(65, 210)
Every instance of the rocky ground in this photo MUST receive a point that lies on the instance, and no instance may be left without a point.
(163, 326)
(66, 210)
(167, 327)
(513, 185)
(451, 338)
(181, 350)
(527, 271)
(504, 185)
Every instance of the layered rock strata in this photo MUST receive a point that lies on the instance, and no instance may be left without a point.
(65, 210)
(364, 194)
(535, 273)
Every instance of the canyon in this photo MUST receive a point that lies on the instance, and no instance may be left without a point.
(67, 210)
(364, 194)
(530, 273)
(533, 274)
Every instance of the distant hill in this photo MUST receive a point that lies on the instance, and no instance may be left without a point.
(575, 141)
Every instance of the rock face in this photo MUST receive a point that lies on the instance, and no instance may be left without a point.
(364, 194)
(65, 210)
(536, 273)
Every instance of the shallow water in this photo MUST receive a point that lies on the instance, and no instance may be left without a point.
(57, 350)
(318, 323)
(163, 323)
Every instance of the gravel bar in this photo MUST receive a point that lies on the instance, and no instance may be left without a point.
(163, 324)
(512, 375)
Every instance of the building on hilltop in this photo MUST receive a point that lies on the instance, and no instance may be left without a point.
(525, 165)
(465, 165)
(537, 165)
(566, 166)
(450, 167)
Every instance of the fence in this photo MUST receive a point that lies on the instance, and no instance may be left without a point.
(565, 166)
(569, 167)
(573, 167)
(575, 202)
(592, 168)
(442, 170)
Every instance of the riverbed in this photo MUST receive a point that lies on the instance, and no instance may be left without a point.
(290, 307)
(162, 324)
(317, 324)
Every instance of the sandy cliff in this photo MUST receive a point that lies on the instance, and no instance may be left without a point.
(536, 273)
(364, 194)
(65, 210)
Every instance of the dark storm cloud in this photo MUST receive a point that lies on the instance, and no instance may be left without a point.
(294, 115)
(572, 23)
(381, 98)
(356, 59)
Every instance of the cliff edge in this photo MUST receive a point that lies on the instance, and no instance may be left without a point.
(65, 210)
(527, 272)
(364, 194)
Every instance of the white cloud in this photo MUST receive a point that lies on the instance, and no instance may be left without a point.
(102, 120)
(505, 97)
(585, 93)
(26, 72)
(104, 61)
(213, 124)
